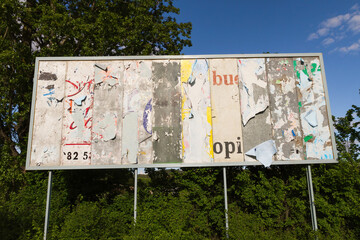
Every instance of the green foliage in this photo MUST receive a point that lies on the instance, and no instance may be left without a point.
(348, 134)
(277, 195)
(199, 189)
(33, 28)
(160, 217)
(245, 226)
(97, 220)
(337, 198)
(95, 184)
(23, 211)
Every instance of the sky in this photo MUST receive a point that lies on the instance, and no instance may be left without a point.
(249, 27)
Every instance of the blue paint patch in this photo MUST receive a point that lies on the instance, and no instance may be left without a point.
(146, 117)
(293, 133)
(49, 93)
(50, 100)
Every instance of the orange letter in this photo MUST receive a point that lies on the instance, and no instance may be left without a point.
(231, 80)
(237, 79)
(214, 79)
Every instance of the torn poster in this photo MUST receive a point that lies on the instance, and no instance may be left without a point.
(137, 94)
(130, 146)
(284, 109)
(77, 118)
(46, 143)
(167, 112)
(253, 87)
(107, 113)
(225, 106)
(263, 152)
(254, 103)
(312, 107)
(196, 111)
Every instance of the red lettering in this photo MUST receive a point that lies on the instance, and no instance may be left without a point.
(214, 79)
(237, 79)
(218, 79)
(231, 79)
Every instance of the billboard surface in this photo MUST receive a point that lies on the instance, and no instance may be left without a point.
(178, 111)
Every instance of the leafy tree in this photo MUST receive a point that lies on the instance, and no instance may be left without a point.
(199, 192)
(36, 28)
(348, 134)
(337, 186)
(32, 28)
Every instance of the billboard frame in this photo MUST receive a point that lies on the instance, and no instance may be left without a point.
(180, 165)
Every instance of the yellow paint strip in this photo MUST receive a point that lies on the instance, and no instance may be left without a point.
(209, 118)
(186, 68)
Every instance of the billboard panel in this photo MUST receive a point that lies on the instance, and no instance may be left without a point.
(179, 111)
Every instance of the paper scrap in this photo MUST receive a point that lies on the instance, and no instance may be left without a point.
(79, 100)
(310, 117)
(253, 90)
(263, 152)
(304, 82)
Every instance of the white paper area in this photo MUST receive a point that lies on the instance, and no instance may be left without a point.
(263, 152)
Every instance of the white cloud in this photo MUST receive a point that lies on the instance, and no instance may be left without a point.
(347, 49)
(355, 7)
(336, 28)
(323, 31)
(354, 23)
(319, 33)
(328, 41)
(313, 36)
(353, 47)
(335, 21)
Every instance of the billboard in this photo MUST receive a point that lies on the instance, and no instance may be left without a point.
(179, 111)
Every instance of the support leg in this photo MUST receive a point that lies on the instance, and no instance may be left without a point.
(226, 203)
(135, 193)
(48, 198)
(311, 198)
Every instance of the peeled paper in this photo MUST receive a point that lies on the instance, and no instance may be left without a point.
(310, 117)
(263, 152)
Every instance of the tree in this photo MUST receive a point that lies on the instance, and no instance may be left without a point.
(348, 134)
(36, 28)
(33, 28)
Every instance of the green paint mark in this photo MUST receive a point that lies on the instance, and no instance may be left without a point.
(300, 105)
(284, 62)
(308, 137)
(313, 65)
(306, 72)
(319, 69)
(294, 65)
(278, 81)
(298, 74)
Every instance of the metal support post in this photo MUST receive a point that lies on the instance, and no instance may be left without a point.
(135, 193)
(48, 198)
(311, 198)
(226, 203)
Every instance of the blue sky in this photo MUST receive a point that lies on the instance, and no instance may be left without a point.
(330, 27)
